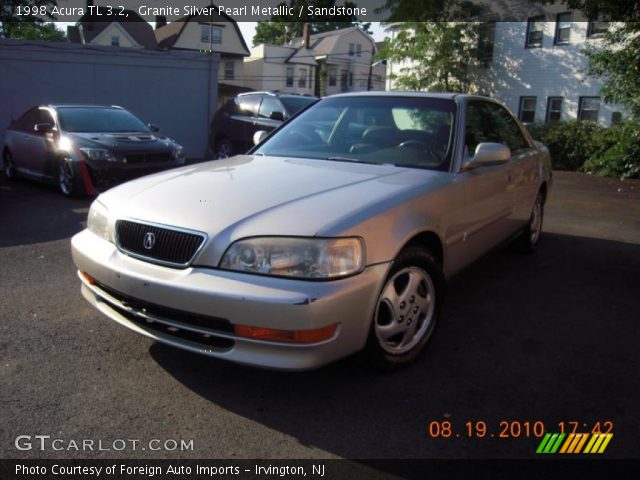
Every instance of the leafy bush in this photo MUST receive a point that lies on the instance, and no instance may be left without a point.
(617, 153)
(570, 144)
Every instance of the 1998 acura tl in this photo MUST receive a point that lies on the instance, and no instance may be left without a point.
(333, 235)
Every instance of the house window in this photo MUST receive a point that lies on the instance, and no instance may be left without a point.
(302, 79)
(527, 112)
(210, 34)
(588, 108)
(332, 77)
(115, 41)
(535, 31)
(343, 79)
(358, 50)
(352, 49)
(289, 76)
(597, 27)
(563, 28)
(229, 73)
(486, 37)
(554, 109)
(616, 118)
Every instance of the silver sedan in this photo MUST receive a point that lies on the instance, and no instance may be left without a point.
(334, 235)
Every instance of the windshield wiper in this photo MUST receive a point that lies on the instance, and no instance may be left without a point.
(350, 159)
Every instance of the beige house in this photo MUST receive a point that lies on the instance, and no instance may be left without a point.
(210, 33)
(339, 60)
(281, 68)
(128, 30)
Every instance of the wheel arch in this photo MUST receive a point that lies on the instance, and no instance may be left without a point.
(431, 241)
(543, 189)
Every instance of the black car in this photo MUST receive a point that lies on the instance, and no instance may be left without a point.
(239, 118)
(85, 148)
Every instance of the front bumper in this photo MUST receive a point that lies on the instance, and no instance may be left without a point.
(105, 175)
(142, 296)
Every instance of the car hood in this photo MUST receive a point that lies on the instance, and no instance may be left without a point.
(123, 141)
(248, 196)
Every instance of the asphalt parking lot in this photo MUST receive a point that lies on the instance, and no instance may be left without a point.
(549, 337)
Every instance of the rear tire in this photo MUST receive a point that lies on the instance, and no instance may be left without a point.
(406, 310)
(223, 149)
(8, 166)
(528, 240)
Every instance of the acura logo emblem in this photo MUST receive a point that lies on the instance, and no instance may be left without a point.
(149, 240)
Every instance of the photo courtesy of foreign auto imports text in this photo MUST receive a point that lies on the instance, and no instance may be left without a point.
(331, 239)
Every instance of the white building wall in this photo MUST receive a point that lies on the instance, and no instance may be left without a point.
(548, 71)
(265, 70)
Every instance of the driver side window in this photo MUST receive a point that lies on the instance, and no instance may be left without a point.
(477, 127)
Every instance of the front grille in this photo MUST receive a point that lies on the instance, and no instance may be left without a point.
(172, 247)
(169, 321)
(148, 158)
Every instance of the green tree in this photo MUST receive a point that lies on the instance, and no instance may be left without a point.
(429, 10)
(38, 31)
(440, 56)
(618, 10)
(13, 26)
(617, 61)
(280, 28)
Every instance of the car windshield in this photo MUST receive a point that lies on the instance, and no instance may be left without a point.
(95, 119)
(403, 131)
(293, 104)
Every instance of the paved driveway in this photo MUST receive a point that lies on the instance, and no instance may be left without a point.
(550, 337)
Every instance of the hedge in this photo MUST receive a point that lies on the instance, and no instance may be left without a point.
(586, 146)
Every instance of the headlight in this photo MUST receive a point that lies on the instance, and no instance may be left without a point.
(178, 152)
(98, 220)
(99, 154)
(316, 258)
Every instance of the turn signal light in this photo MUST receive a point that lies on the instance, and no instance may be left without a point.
(290, 336)
(88, 278)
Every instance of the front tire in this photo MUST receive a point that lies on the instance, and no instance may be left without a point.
(223, 149)
(66, 177)
(406, 310)
(8, 166)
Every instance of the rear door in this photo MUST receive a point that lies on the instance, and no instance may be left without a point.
(524, 171)
(20, 139)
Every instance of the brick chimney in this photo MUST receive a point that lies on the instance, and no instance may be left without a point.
(306, 34)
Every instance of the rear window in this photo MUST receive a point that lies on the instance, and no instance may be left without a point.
(80, 119)
(293, 104)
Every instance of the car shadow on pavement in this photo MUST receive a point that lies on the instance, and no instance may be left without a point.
(547, 337)
(33, 212)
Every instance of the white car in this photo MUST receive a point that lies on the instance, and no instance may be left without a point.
(334, 235)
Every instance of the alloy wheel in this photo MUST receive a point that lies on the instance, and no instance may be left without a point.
(405, 310)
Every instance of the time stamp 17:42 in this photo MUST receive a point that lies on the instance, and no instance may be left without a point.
(512, 428)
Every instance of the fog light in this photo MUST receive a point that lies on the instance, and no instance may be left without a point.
(289, 336)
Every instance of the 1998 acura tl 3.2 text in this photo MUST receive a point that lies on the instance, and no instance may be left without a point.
(335, 234)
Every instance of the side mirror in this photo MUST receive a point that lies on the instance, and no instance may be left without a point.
(488, 154)
(277, 116)
(259, 136)
(153, 127)
(43, 127)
